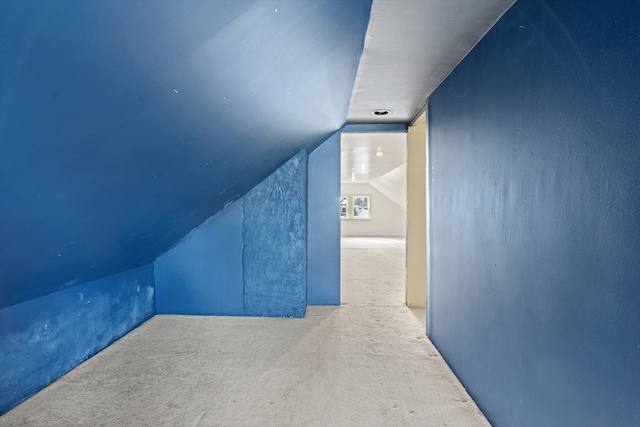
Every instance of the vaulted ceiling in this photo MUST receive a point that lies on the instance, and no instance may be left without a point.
(125, 124)
(366, 157)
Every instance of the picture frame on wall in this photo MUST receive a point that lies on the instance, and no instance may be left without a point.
(361, 207)
(344, 207)
(355, 207)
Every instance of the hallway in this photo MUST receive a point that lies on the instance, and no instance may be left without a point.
(365, 363)
(372, 271)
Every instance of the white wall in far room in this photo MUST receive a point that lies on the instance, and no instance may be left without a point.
(387, 218)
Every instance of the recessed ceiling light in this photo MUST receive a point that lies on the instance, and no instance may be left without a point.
(379, 152)
(381, 112)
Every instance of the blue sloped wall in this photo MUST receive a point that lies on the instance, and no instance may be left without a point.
(126, 124)
(251, 259)
(534, 216)
(44, 338)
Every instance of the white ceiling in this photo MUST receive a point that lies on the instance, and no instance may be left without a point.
(410, 47)
(358, 155)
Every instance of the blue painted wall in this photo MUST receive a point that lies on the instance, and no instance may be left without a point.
(248, 260)
(45, 337)
(203, 273)
(323, 279)
(115, 144)
(274, 238)
(535, 216)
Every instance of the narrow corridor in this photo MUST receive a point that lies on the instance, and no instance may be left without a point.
(365, 363)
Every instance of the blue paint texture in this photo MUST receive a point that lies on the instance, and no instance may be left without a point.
(535, 216)
(116, 144)
(203, 273)
(250, 259)
(323, 244)
(46, 337)
(275, 242)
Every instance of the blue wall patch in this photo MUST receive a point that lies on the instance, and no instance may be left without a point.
(275, 242)
(46, 337)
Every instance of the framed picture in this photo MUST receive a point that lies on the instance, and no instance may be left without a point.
(361, 207)
(344, 207)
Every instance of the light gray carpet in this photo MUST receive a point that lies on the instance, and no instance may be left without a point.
(373, 271)
(366, 363)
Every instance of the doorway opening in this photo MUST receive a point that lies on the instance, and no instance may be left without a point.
(373, 212)
(383, 218)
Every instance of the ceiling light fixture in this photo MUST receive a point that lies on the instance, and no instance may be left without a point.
(381, 112)
(379, 152)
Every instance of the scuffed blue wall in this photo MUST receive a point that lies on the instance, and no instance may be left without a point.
(44, 338)
(275, 242)
(126, 124)
(323, 268)
(251, 259)
(203, 273)
(535, 216)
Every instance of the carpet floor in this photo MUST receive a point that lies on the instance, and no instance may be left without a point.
(364, 363)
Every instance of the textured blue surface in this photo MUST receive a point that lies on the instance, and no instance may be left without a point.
(275, 242)
(203, 273)
(44, 338)
(126, 124)
(249, 259)
(323, 239)
(535, 216)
